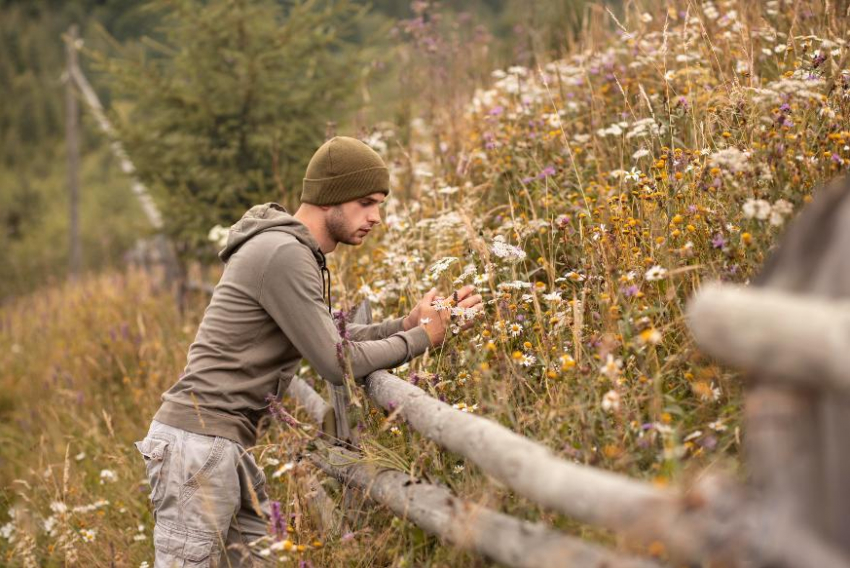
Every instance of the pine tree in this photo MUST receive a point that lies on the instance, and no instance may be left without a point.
(227, 107)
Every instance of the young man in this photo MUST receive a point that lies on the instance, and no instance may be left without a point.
(266, 313)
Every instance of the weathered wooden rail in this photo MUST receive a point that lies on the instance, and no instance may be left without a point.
(790, 332)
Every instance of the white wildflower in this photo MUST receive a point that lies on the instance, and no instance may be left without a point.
(514, 285)
(612, 367)
(7, 531)
(655, 273)
(441, 265)
(515, 329)
(717, 426)
(58, 507)
(633, 175)
(107, 476)
(506, 251)
(468, 271)
(288, 466)
(553, 297)
(692, 436)
(611, 401)
(782, 207)
(88, 535)
(49, 525)
(640, 154)
(756, 209)
(218, 235)
(463, 407)
(731, 159)
(481, 278)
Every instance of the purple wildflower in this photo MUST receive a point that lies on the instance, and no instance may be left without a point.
(277, 521)
(718, 241)
(278, 412)
(630, 291)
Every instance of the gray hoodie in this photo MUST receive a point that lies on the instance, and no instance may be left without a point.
(266, 313)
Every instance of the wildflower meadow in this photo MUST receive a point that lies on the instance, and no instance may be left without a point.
(586, 198)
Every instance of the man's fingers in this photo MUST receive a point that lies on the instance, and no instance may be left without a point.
(471, 301)
(465, 291)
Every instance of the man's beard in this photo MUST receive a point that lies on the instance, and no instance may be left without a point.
(338, 229)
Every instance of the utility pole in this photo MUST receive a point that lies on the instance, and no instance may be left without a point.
(72, 142)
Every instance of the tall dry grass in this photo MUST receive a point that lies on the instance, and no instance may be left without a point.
(587, 199)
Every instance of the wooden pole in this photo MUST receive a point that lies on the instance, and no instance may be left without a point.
(805, 347)
(319, 410)
(173, 269)
(72, 143)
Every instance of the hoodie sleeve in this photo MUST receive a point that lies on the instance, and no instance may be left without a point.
(291, 292)
(372, 331)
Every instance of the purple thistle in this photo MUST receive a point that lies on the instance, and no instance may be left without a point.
(718, 241)
(630, 291)
(278, 412)
(278, 522)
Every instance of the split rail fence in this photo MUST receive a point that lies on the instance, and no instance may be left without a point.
(789, 332)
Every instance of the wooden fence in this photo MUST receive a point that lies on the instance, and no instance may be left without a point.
(789, 332)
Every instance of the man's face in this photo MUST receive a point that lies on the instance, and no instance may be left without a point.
(351, 221)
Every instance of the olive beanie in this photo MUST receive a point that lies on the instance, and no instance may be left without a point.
(343, 169)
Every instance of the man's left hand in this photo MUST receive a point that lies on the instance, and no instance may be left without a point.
(463, 295)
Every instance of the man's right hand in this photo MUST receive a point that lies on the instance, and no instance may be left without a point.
(435, 322)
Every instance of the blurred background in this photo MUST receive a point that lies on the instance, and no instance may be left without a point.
(219, 105)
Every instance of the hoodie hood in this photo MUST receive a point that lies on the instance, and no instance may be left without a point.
(273, 217)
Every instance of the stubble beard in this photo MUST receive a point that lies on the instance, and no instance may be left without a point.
(338, 229)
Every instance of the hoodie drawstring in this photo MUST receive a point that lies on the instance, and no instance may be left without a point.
(325, 269)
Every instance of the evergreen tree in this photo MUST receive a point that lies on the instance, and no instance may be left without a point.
(226, 109)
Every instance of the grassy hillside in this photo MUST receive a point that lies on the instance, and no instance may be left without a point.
(586, 199)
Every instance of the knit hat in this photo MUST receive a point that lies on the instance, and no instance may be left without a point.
(343, 169)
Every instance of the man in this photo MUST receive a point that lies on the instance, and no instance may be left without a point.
(266, 313)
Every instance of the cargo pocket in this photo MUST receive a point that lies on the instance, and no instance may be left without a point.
(156, 452)
(181, 548)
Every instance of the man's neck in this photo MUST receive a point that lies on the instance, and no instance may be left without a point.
(316, 228)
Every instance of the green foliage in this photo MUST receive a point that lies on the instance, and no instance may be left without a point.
(33, 201)
(229, 106)
(34, 206)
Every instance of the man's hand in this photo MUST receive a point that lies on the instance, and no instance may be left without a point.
(434, 321)
(463, 300)
(437, 321)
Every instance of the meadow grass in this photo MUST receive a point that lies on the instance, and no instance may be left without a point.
(586, 199)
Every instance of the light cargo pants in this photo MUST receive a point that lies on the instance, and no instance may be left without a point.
(204, 491)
